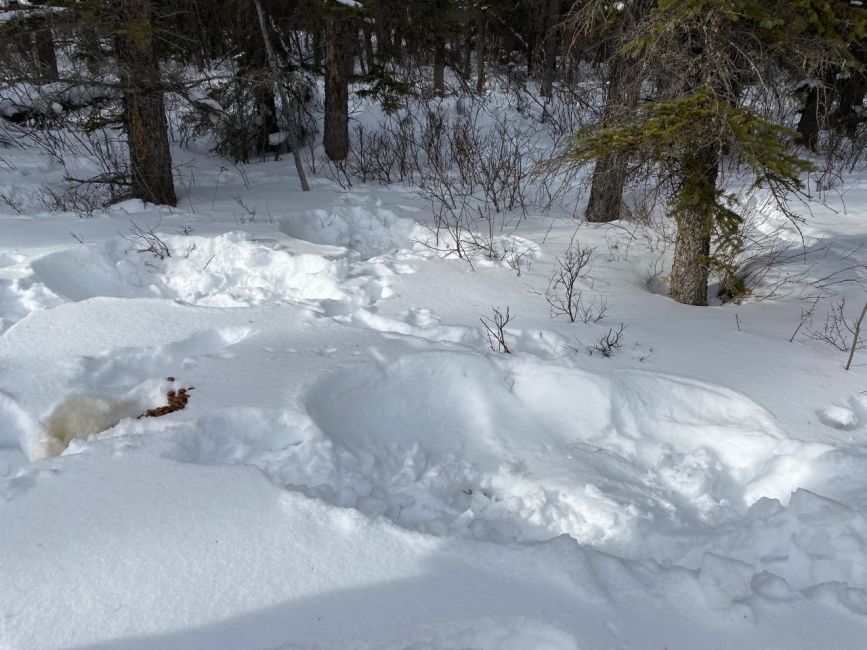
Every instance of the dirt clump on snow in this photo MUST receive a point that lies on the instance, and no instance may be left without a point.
(176, 400)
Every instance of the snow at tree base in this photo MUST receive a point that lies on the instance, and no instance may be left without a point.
(427, 404)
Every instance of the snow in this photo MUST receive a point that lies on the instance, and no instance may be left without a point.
(356, 468)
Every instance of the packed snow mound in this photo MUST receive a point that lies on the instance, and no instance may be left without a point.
(229, 270)
(369, 232)
(447, 442)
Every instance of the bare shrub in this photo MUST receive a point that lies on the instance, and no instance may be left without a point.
(147, 241)
(610, 343)
(82, 199)
(838, 330)
(475, 168)
(519, 259)
(496, 330)
(564, 293)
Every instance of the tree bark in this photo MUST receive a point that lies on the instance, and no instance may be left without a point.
(609, 174)
(808, 124)
(851, 91)
(254, 59)
(467, 61)
(144, 108)
(695, 218)
(368, 48)
(439, 69)
(266, 112)
(336, 136)
(317, 49)
(606, 189)
(43, 47)
(481, 45)
(549, 49)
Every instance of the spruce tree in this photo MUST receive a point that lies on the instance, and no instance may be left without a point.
(712, 56)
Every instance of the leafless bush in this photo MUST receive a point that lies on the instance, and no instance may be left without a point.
(147, 241)
(571, 106)
(564, 292)
(519, 259)
(806, 315)
(496, 330)
(390, 153)
(474, 168)
(10, 201)
(838, 330)
(250, 211)
(610, 343)
(83, 199)
(487, 167)
(654, 236)
(106, 161)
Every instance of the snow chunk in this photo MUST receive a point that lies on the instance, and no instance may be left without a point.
(839, 417)
(229, 270)
(724, 580)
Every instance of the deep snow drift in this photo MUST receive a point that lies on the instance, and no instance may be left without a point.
(357, 468)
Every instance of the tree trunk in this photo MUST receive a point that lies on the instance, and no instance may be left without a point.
(808, 124)
(367, 35)
(144, 110)
(606, 189)
(467, 61)
(439, 69)
(696, 205)
(43, 47)
(336, 136)
(549, 49)
(624, 92)
(317, 49)
(254, 59)
(481, 44)
(851, 92)
(609, 174)
(289, 119)
(266, 112)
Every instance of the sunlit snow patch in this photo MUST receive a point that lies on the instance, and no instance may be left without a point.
(447, 442)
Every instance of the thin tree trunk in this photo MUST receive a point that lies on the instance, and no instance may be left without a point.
(255, 66)
(624, 92)
(549, 50)
(467, 61)
(266, 113)
(851, 91)
(144, 109)
(439, 69)
(43, 47)
(609, 174)
(284, 100)
(317, 49)
(336, 129)
(367, 49)
(695, 215)
(606, 189)
(367, 35)
(481, 44)
(808, 124)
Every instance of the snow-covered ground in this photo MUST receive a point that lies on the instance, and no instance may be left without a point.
(356, 468)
